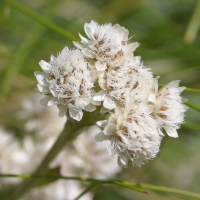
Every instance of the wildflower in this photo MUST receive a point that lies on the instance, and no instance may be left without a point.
(106, 59)
(133, 134)
(106, 43)
(168, 107)
(66, 82)
(127, 77)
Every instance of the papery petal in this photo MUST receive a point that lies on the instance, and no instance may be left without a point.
(99, 96)
(91, 64)
(171, 131)
(96, 103)
(45, 66)
(75, 114)
(138, 59)
(41, 78)
(83, 39)
(52, 58)
(123, 158)
(90, 108)
(43, 89)
(103, 110)
(62, 110)
(49, 100)
(152, 98)
(109, 103)
(88, 53)
(110, 149)
(102, 123)
(184, 99)
(93, 74)
(78, 45)
(100, 66)
(89, 28)
(100, 137)
(122, 31)
(130, 48)
(110, 129)
(45, 100)
(173, 84)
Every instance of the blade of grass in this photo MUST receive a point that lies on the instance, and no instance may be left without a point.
(109, 182)
(127, 184)
(90, 188)
(42, 20)
(186, 89)
(191, 125)
(192, 105)
(71, 130)
(22, 54)
(192, 90)
(164, 189)
(193, 26)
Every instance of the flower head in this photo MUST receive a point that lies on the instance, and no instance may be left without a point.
(133, 134)
(168, 107)
(127, 77)
(106, 43)
(66, 82)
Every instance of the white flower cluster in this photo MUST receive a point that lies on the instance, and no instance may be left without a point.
(139, 110)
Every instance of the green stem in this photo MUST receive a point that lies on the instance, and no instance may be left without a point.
(127, 184)
(109, 182)
(192, 90)
(22, 53)
(69, 133)
(41, 20)
(191, 125)
(192, 105)
(90, 188)
(123, 184)
(186, 89)
(164, 189)
(194, 25)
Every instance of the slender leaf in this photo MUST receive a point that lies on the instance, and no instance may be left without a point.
(194, 25)
(191, 125)
(42, 20)
(90, 188)
(127, 184)
(186, 89)
(192, 105)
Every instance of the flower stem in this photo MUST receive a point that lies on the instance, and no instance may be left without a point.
(22, 53)
(191, 125)
(127, 184)
(194, 25)
(42, 20)
(186, 89)
(192, 105)
(69, 133)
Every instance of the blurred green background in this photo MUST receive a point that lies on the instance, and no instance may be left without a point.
(169, 44)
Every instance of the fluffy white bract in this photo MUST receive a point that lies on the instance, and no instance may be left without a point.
(168, 107)
(127, 77)
(133, 134)
(106, 43)
(66, 82)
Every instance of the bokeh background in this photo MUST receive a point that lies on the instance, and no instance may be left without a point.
(169, 44)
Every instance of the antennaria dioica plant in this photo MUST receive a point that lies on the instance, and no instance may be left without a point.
(107, 76)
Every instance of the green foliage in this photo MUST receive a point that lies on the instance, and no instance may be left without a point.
(170, 45)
